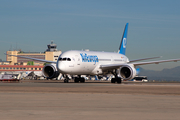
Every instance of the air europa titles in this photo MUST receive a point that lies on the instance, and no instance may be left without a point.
(89, 58)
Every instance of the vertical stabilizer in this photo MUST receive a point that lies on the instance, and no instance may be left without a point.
(122, 47)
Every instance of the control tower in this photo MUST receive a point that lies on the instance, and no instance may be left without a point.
(50, 54)
(52, 46)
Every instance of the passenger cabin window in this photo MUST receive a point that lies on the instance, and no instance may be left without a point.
(64, 59)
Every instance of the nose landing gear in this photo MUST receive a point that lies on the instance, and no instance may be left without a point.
(66, 79)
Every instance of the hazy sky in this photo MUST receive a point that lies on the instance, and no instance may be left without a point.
(154, 26)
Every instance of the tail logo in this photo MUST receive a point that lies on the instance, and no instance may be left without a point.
(124, 42)
(122, 47)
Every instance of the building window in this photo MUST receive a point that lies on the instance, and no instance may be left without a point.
(39, 68)
(31, 68)
(35, 68)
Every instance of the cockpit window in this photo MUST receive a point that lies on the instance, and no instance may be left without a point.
(64, 59)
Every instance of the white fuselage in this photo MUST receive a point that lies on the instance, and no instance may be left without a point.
(87, 62)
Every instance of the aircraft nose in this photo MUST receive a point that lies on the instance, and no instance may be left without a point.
(62, 67)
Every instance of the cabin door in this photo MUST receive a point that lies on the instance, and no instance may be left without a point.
(77, 59)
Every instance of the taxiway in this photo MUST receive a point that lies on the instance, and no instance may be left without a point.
(52, 100)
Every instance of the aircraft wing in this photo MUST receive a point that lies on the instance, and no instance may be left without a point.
(41, 60)
(114, 66)
(110, 66)
(144, 59)
(155, 62)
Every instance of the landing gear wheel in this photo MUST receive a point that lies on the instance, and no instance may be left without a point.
(82, 80)
(76, 80)
(66, 80)
(113, 80)
(118, 80)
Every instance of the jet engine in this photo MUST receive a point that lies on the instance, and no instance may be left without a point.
(50, 71)
(127, 72)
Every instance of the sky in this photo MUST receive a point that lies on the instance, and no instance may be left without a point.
(154, 27)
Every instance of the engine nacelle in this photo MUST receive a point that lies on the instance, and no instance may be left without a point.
(127, 72)
(50, 71)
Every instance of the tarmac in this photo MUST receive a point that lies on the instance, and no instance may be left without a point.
(55, 100)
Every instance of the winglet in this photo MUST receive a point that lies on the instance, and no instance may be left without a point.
(122, 47)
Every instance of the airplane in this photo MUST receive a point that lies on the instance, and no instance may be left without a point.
(79, 62)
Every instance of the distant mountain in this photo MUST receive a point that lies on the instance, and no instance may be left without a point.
(164, 75)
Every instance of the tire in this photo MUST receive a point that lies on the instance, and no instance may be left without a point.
(118, 80)
(66, 81)
(76, 80)
(113, 80)
(82, 80)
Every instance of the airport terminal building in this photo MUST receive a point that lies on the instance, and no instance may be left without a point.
(21, 64)
(50, 54)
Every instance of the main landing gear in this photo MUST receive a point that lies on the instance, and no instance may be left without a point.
(116, 79)
(79, 79)
(76, 79)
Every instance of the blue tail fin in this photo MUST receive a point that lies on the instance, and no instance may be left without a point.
(122, 47)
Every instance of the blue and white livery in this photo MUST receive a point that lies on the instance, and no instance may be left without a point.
(79, 63)
(122, 47)
(89, 58)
